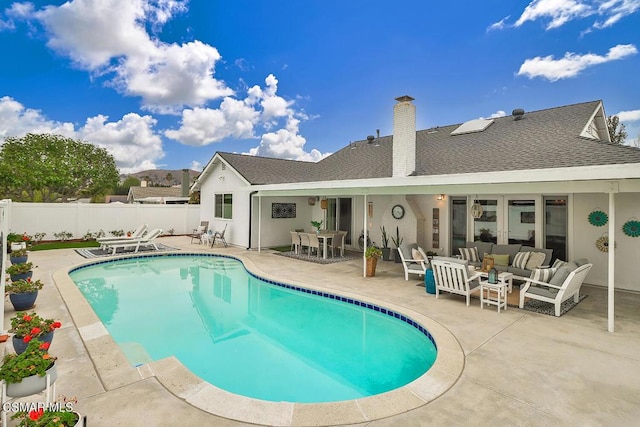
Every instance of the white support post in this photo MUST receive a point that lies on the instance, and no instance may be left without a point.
(612, 259)
(259, 222)
(364, 224)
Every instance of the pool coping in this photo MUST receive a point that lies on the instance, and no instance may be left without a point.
(115, 370)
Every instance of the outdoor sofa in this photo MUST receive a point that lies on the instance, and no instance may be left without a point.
(512, 258)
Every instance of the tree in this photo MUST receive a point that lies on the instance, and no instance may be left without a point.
(617, 135)
(169, 178)
(123, 188)
(47, 167)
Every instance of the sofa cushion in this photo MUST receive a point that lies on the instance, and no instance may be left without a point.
(517, 271)
(562, 273)
(543, 274)
(500, 259)
(547, 252)
(482, 247)
(536, 259)
(582, 261)
(469, 254)
(558, 263)
(520, 259)
(510, 250)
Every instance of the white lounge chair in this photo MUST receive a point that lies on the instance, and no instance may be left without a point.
(413, 266)
(200, 231)
(137, 233)
(219, 235)
(556, 294)
(453, 276)
(147, 240)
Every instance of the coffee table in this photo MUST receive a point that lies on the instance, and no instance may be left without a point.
(503, 277)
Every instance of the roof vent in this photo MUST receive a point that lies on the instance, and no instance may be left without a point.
(517, 114)
(370, 138)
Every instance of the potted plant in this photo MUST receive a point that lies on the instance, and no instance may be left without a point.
(20, 271)
(386, 250)
(23, 293)
(65, 417)
(28, 326)
(372, 253)
(17, 241)
(19, 256)
(317, 225)
(25, 373)
(397, 241)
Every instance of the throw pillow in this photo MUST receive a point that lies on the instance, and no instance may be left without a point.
(558, 263)
(535, 260)
(543, 274)
(501, 259)
(520, 260)
(416, 255)
(469, 254)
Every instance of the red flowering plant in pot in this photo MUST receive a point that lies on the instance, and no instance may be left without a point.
(61, 414)
(27, 326)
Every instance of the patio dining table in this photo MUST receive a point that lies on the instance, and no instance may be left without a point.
(326, 236)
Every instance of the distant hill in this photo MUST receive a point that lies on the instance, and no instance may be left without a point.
(159, 176)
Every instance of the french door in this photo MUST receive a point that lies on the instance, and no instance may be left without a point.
(339, 216)
(507, 219)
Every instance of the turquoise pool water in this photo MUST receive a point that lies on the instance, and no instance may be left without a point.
(251, 337)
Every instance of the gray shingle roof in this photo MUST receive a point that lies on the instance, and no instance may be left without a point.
(143, 192)
(542, 139)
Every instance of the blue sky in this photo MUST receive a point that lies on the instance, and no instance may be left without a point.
(167, 83)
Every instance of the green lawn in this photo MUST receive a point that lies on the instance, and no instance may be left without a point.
(64, 245)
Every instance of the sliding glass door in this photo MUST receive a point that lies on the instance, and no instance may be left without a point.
(506, 219)
(339, 216)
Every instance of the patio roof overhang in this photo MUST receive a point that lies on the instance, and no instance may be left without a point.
(590, 179)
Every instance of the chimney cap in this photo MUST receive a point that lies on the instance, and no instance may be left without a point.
(404, 98)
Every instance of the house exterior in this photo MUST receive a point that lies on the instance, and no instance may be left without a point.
(537, 176)
(155, 195)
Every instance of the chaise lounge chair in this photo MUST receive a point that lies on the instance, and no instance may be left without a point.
(137, 233)
(147, 240)
(553, 292)
(220, 235)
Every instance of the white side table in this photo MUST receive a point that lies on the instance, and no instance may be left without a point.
(493, 294)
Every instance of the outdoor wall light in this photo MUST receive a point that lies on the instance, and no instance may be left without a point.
(440, 197)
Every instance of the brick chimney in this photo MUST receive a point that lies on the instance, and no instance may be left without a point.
(404, 137)
(185, 183)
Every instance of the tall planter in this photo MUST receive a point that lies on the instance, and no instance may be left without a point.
(386, 254)
(371, 266)
(32, 385)
(23, 301)
(20, 346)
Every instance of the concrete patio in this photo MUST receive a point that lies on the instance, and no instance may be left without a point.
(519, 367)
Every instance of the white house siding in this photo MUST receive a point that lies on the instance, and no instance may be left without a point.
(275, 231)
(584, 236)
(80, 218)
(226, 181)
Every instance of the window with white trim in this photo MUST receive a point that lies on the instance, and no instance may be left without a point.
(223, 204)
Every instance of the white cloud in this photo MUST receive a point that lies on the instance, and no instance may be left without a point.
(629, 116)
(615, 10)
(498, 25)
(109, 37)
(286, 144)
(571, 64)
(497, 114)
(131, 140)
(196, 166)
(558, 11)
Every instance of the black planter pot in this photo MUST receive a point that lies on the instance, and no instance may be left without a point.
(397, 258)
(386, 254)
(20, 346)
(23, 301)
(21, 276)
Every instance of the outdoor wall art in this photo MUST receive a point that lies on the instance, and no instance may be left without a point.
(283, 210)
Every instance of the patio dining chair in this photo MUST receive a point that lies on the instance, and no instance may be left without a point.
(295, 241)
(304, 242)
(338, 243)
(220, 235)
(314, 243)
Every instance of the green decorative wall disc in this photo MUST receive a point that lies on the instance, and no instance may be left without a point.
(598, 218)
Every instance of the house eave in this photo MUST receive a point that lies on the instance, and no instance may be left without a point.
(583, 179)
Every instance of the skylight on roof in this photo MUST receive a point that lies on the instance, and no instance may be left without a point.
(472, 126)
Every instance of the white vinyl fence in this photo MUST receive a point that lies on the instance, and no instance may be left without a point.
(82, 218)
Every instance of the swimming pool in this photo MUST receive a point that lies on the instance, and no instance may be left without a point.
(251, 337)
